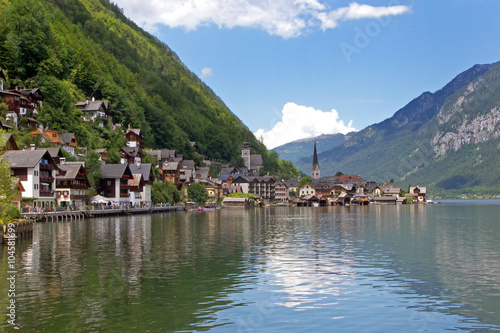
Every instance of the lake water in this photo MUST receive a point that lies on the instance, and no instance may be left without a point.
(412, 268)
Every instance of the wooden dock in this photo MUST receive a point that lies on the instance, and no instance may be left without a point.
(81, 214)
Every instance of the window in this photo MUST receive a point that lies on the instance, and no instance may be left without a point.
(36, 173)
(109, 182)
(36, 186)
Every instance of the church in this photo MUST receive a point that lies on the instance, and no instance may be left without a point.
(315, 172)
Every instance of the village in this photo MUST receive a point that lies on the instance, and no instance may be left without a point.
(49, 182)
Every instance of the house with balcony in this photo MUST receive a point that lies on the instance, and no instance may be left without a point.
(130, 155)
(114, 184)
(36, 170)
(72, 184)
(170, 172)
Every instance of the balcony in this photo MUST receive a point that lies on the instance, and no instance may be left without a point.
(46, 193)
(46, 179)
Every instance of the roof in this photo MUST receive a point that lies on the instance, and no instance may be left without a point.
(144, 170)
(188, 164)
(170, 166)
(202, 173)
(5, 125)
(136, 180)
(71, 171)
(113, 170)
(55, 152)
(255, 160)
(66, 137)
(25, 158)
(101, 150)
(136, 131)
(422, 189)
(92, 105)
(130, 151)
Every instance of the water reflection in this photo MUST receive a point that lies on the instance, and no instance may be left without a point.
(402, 268)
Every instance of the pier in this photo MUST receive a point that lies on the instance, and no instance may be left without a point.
(81, 214)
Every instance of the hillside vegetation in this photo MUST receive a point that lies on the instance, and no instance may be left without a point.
(76, 49)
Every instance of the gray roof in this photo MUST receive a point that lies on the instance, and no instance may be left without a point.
(25, 158)
(202, 173)
(54, 152)
(255, 160)
(90, 105)
(113, 170)
(100, 150)
(66, 137)
(189, 164)
(136, 131)
(144, 170)
(170, 166)
(71, 171)
(130, 151)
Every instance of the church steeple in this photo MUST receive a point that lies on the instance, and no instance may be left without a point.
(315, 172)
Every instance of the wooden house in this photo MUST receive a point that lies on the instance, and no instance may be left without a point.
(115, 182)
(71, 184)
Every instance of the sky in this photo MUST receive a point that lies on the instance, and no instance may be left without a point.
(293, 69)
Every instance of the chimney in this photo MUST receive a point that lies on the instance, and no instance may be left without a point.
(138, 163)
(62, 160)
(32, 146)
(93, 99)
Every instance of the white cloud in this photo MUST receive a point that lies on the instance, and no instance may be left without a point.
(300, 122)
(285, 18)
(206, 72)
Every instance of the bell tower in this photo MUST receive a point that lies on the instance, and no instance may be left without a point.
(315, 172)
(245, 153)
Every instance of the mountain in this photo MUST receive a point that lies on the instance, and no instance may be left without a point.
(448, 140)
(76, 49)
(296, 150)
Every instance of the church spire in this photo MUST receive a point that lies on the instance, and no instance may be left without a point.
(315, 172)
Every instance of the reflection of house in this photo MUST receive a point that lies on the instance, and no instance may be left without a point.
(36, 171)
(114, 184)
(94, 109)
(418, 192)
(71, 184)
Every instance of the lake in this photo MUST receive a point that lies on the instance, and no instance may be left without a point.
(410, 268)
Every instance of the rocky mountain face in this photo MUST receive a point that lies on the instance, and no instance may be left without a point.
(448, 140)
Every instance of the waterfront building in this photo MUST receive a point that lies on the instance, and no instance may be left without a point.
(72, 184)
(114, 184)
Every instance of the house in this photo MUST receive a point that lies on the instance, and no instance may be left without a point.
(10, 143)
(418, 192)
(136, 188)
(170, 172)
(202, 173)
(134, 138)
(71, 184)
(36, 170)
(214, 190)
(69, 143)
(130, 155)
(94, 110)
(281, 191)
(114, 184)
(21, 103)
(307, 189)
(385, 200)
(147, 179)
(262, 188)
(292, 186)
(236, 202)
(162, 155)
(104, 154)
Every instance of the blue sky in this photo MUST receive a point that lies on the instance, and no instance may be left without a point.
(290, 69)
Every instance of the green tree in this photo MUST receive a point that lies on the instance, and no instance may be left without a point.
(304, 180)
(338, 174)
(93, 166)
(198, 193)
(165, 193)
(8, 184)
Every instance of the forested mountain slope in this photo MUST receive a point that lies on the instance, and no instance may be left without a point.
(75, 49)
